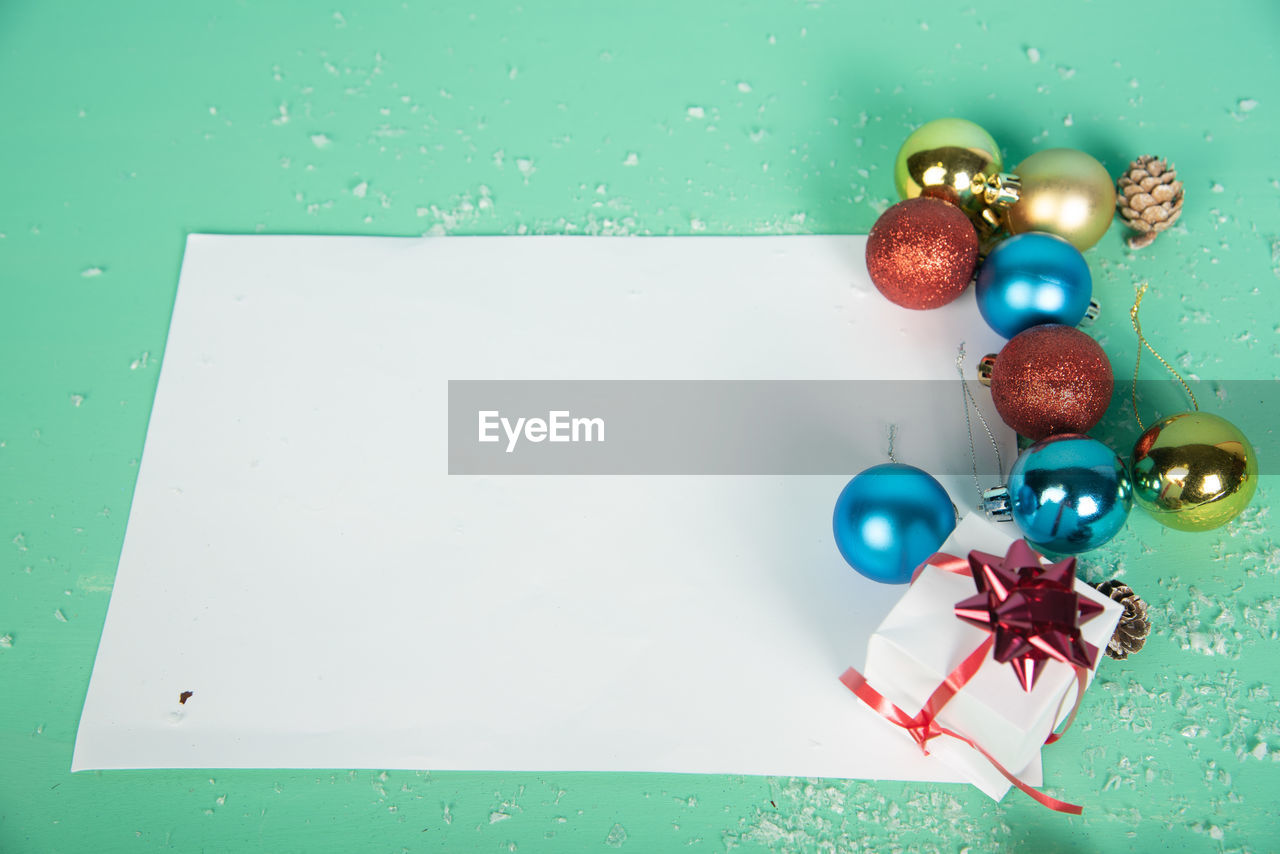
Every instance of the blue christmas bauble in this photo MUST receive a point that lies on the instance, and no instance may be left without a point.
(1032, 279)
(1069, 493)
(889, 519)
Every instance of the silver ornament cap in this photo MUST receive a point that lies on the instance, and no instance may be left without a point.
(995, 503)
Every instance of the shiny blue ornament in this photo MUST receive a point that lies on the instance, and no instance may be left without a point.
(1069, 493)
(1032, 279)
(890, 518)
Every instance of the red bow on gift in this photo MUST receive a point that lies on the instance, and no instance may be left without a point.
(1032, 610)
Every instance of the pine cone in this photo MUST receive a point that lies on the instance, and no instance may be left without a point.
(1149, 197)
(1132, 630)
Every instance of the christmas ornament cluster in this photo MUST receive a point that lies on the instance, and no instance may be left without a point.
(1019, 237)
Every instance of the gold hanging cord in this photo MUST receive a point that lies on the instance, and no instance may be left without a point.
(1137, 327)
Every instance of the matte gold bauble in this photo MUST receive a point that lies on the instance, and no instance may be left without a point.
(942, 158)
(1064, 192)
(1194, 471)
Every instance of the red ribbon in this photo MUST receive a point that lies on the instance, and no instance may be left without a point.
(924, 726)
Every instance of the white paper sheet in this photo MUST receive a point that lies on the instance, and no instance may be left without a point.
(298, 557)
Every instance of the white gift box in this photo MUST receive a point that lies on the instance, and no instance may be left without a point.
(921, 641)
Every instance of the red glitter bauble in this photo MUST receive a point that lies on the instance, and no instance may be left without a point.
(921, 253)
(1051, 379)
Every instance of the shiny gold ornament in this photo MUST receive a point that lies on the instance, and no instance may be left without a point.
(949, 159)
(1064, 192)
(1194, 471)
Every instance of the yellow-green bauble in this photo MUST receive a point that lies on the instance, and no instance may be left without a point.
(1064, 192)
(941, 158)
(1194, 471)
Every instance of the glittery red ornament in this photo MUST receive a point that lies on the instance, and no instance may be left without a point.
(1051, 379)
(921, 253)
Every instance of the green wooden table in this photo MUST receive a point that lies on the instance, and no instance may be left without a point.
(128, 125)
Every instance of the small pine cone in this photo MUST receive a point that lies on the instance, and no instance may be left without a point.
(1132, 630)
(1149, 197)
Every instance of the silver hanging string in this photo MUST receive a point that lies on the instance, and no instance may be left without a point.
(893, 435)
(968, 400)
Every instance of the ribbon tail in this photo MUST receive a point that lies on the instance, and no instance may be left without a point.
(1081, 682)
(1036, 795)
(857, 683)
(922, 727)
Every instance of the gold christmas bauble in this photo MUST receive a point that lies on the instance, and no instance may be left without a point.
(941, 159)
(1194, 471)
(1064, 192)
